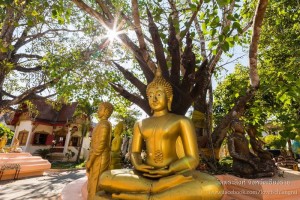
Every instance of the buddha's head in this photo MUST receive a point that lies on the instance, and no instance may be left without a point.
(159, 92)
(105, 109)
(119, 129)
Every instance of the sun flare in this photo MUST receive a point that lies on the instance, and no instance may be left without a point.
(112, 35)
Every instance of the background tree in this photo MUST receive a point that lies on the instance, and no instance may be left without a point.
(5, 130)
(84, 111)
(277, 100)
(168, 36)
(280, 64)
(43, 52)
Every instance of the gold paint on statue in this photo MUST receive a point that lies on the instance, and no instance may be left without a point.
(116, 147)
(99, 157)
(15, 147)
(164, 174)
(3, 141)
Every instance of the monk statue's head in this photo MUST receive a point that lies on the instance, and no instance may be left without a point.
(119, 129)
(158, 82)
(105, 109)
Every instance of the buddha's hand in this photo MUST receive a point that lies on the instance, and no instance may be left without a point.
(157, 173)
(144, 168)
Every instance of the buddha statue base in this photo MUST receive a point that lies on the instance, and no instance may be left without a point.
(102, 195)
(189, 185)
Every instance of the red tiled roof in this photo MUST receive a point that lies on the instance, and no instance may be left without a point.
(47, 113)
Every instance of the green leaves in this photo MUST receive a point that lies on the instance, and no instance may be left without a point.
(5, 130)
(237, 26)
(223, 3)
(277, 100)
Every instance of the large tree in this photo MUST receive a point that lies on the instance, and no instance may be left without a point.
(186, 39)
(43, 47)
(278, 97)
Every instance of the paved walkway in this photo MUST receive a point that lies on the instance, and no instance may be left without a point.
(47, 187)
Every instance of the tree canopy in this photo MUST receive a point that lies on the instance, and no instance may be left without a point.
(277, 100)
(186, 39)
(167, 34)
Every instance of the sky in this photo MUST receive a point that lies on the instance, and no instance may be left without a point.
(240, 55)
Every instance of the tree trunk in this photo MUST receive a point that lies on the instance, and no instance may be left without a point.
(239, 108)
(83, 134)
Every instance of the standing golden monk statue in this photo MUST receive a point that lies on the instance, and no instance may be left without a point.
(99, 157)
(172, 155)
(116, 147)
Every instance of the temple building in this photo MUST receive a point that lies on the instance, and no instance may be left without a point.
(41, 125)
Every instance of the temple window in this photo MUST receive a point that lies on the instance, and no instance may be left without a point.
(75, 142)
(40, 138)
(60, 140)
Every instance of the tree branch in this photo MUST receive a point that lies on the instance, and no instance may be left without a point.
(258, 19)
(158, 46)
(189, 64)
(22, 42)
(105, 10)
(142, 103)
(188, 25)
(22, 38)
(15, 58)
(24, 69)
(105, 23)
(123, 37)
(135, 81)
(174, 49)
(8, 26)
(7, 94)
(240, 106)
(140, 35)
(27, 93)
(237, 111)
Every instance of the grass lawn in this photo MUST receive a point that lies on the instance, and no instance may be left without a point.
(67, 165)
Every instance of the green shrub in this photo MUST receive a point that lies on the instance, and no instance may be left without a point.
(275, 141)
(226, 161)
(5, 129)
(70, 154)
(42, 152)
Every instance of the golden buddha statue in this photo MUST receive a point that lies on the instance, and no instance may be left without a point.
(172, 155)
(15, 147)
(99, 157)
(3, 141)
(115, 162)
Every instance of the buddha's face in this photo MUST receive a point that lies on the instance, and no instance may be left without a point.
(101, 111)
(157, 98)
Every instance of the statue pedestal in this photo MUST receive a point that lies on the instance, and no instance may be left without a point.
(272, 188)
(27, 164)
(76, 190)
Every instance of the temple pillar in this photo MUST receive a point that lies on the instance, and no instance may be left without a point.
(15, 135)
(68, 136)
(29, 139)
